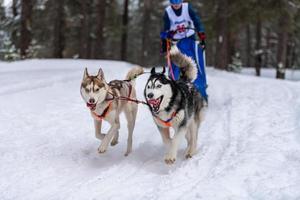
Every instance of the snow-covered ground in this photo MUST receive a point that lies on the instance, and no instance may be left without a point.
(249, 143)
(290, 74)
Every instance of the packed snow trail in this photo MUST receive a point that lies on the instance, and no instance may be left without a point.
(249, 142)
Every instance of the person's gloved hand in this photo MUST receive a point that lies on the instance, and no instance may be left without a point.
(202, 38)
(163, 46)
(167, 34)
(164, 37)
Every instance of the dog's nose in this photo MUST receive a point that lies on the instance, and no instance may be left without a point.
(92, 100)
(150, 95)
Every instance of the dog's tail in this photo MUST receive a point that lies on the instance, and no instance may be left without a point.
(134, 73)
(186, 64)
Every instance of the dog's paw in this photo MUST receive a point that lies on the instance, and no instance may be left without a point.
(114, 142)
(169, 159)
(102, 149)
(188, 155)
(127, 153)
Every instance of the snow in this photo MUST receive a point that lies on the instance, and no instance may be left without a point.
(7, 2)
(291, 74)
(249, 143)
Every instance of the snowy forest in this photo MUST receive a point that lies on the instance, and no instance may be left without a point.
(250, 33)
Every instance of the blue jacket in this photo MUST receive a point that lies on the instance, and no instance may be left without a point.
(196, 19)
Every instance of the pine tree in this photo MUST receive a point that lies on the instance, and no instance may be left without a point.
(26, 27)
(124, 30)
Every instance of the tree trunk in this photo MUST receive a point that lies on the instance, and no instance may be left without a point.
(100, 19)
(14, 34)
(232, 45)
(221, 29)
(267, 48)
(258, 49)
(145, 31)
(209, 52)
(124, 31)
(14, 8)
(85, 41)
(294, 56)
(289, 52)
(248, 46)
(25, 37)
(284, 21)
(59, 27)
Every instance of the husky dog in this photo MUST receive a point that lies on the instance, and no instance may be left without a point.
(176, 104)
(106, 101)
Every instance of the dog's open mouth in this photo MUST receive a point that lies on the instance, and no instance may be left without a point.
(155, 103)
(91, 106)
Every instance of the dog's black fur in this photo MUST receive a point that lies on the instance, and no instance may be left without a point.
(184, 95)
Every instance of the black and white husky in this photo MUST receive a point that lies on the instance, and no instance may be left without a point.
(176, 104)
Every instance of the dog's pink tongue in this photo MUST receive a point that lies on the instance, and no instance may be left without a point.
(90, 106)
(153, 101)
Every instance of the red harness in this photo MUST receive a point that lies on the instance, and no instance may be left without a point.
(108, 108)
(167, 122)
(105, 112)
(130, 90)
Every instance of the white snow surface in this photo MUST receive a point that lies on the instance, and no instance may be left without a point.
(249, 142)
(290, 74)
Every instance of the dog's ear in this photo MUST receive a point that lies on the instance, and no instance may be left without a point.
(164, 70)
(100, 74)
(85, 74)
(153, 70)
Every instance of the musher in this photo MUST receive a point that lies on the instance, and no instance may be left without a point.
(181, 24)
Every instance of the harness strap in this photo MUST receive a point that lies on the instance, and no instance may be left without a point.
(130, 90)
(105, 112)
(167, 122)
(169, 59)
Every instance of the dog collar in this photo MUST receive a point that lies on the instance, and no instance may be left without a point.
(104, 113)
(167, 122)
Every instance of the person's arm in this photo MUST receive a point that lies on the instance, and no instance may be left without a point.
(196, 19)
(167, 24)
(198, 26)
(164, 33)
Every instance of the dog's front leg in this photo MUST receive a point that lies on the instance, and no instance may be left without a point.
(171, 155)
(115, 126)
(165, 135)
(191, 137)
(98, 133)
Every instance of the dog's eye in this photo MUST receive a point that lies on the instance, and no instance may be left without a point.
(148, 86)
(87, 90)
(96, 90)
(158, 86)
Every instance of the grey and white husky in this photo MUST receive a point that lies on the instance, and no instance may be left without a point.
(106, 102)
(176, 104)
